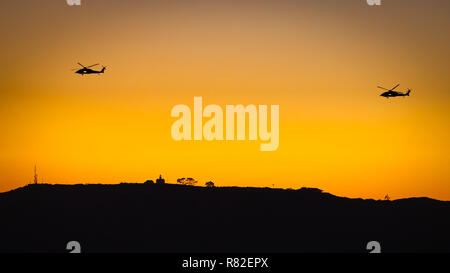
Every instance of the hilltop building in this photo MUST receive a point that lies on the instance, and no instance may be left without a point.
(160, 180)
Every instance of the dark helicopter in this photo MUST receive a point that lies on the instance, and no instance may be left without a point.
(86, 70)
(391, 93)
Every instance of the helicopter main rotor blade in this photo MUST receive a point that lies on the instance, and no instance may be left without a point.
(82, 65)
(91, 65)
(382, 88)
(395, 87)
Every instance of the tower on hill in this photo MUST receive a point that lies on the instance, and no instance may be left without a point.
(35, 175)
(160, 180)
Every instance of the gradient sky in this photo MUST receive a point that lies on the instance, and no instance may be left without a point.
(320, 60)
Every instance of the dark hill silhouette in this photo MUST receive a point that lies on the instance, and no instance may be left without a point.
(176, 218)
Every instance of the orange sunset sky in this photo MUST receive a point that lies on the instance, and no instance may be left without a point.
(320, 60)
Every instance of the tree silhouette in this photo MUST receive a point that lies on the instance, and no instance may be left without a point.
(187, 181)
(209, 184)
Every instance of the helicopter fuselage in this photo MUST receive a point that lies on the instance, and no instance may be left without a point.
(390, 94)
(85, 71)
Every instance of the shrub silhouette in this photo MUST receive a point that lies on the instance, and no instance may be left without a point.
(187, 181)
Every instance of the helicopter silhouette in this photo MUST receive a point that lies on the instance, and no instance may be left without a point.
(391, 93)
(86, 70)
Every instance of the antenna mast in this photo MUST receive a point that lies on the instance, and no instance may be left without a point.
(35, 175)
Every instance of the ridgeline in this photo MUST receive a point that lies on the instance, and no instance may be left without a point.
(174, 218)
